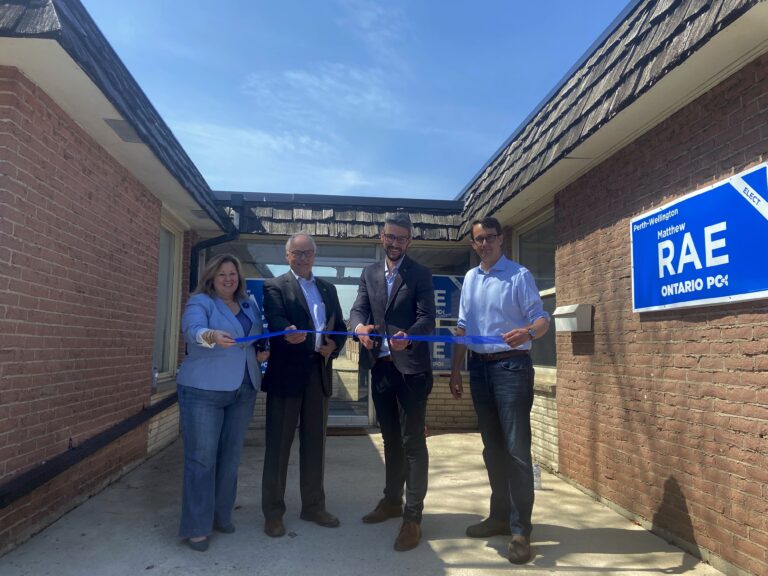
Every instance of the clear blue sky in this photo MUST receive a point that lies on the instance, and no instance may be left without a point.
(405, 98)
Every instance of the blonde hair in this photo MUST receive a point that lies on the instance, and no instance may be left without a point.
(212, 268)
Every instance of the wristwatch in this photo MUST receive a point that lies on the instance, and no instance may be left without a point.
(532, 333)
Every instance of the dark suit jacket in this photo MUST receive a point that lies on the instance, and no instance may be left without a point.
(289, 364)
(411, 308)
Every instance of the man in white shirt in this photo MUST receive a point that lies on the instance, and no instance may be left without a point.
(298, 383)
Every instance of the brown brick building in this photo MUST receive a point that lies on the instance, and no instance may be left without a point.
(663, 415)
(99, 207)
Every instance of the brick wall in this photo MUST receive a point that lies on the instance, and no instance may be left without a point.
(445, 413)
(544, 442)
(32, 513)
(666, 413)
(78, 266)
(163, 428)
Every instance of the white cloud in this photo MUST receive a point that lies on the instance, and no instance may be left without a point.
(382, 29)
(239, 159)
(235, 158)
(225, 137)
(316, 99)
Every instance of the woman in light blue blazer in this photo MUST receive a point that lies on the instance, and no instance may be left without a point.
(217, 385)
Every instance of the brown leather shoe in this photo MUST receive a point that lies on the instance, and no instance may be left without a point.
(409, 537)
(274, 527)
(519, 549)
(383, 511)
(488, 527)
(321, 518)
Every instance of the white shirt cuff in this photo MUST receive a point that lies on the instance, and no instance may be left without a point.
(199, 338)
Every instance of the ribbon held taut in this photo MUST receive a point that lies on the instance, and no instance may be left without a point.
(448, 339)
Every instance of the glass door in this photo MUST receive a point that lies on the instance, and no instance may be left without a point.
(350, 404)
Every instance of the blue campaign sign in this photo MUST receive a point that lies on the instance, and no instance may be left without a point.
(255, 289)
(447, 295)
(442, 353)
(704, 248)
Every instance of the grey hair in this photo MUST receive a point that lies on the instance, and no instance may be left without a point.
(399, 219)
(292, 236)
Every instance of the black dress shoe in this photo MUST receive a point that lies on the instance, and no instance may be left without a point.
(226, 529)
(489, 527)
(274, 527)
(199, 545)
(384, 511)
(519, 549)
(321, 518)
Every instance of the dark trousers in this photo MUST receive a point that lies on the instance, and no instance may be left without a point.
(401, 406)
(310, 411)
(502, 393)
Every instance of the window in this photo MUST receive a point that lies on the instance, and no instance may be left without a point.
(536, 249)
(446, 259)
(168, 296)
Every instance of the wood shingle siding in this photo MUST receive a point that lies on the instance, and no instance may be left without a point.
(654, 38)
(332, 217)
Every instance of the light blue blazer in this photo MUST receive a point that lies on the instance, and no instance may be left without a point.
(218, 368)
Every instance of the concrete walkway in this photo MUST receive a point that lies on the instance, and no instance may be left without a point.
(130, 528)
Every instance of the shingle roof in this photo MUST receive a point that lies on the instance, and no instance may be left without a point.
(341, 216)
(654, 37)
(71, 26)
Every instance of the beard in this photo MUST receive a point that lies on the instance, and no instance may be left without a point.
(394, 254)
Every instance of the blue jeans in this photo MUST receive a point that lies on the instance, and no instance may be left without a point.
(502, 393)
(213, 427)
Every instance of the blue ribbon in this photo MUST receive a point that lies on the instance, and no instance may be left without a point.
(466, 339)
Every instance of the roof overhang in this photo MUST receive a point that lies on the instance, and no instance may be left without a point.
(726, 52)
(57, 45)
(48, 66)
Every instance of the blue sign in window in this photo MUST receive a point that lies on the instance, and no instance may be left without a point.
(708, 247)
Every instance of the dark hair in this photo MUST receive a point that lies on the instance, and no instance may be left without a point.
(487, 222)
(399, 219)
(212, 268)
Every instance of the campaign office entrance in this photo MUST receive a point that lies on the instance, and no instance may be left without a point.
(341, 263)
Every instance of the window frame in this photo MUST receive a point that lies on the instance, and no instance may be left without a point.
(544, 374)
(176, 229)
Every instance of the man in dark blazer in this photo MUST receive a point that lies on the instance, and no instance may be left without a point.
(298, 382)
(396, 299)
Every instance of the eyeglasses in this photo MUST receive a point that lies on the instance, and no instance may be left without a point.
(302, 253)
(490, 239)
(392, 239)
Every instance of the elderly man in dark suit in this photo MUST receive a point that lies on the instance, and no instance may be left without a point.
(396, 299)
(298, 383)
